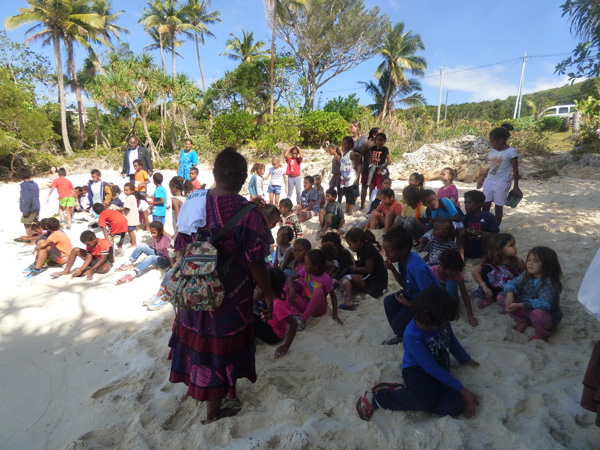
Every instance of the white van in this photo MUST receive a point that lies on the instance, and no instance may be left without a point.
(560, 111)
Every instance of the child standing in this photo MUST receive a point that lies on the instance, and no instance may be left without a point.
(449, 190)
(144, 209)
(293, 157)
(413, 274)
(317, 186)
(131, 213)
(349, 169)
(157, 255)
(97, 257)
(309, 203)
(141, 176)
(66, 197)
(497, 180)
(442, 238)
(255, 186)
(368, 274)
(57, 247)
(478, 224)
(113, 220)
(331, 216)
(290, 219)
(29, 202)
(309, 295)
(336, 170)
(278, 179)
(159, 200)
(98, 190)
(386, 212)
(533, 298)
(380, 159)
(499, 267)
(194, 178)
(428, 385)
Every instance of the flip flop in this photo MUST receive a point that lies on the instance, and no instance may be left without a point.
(124, 267)
(393, 341)
(126, 279)
(389, 386)
(347, 308)
(363, 408)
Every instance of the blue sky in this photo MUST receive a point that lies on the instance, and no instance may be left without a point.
(457, 36)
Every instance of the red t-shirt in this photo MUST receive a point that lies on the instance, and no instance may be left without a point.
(197, 184)
(280, 311)
(396, 207)
(103, 247)
(115, 220)
(64, 187)
(293, 166)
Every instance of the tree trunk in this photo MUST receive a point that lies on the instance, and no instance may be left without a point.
(97, 128)
(61, 97)
(162, 53)
(174, 106)
(153, 151)
(386, 100)
(271, 107)
(71, 65)
(200, 65)
(576, 123)
(185, 126)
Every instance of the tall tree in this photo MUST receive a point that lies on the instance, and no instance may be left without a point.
(245, 49)
(53, 18)
(398, 50)
(330, 37)
(109, 29)
(200, 18)
(387, 95)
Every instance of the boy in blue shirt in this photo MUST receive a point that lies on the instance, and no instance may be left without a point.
(477, 224)
(310, 202)
(159, 200)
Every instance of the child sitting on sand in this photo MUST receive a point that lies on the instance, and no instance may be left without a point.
(289, 217)
(413, 212)
(332, 215)
(344, 257)
(309, 205)
(295, 261)
(375, 200)
(309, 294)
(449, 190)
(115, 222)
(332, 266)
(283, 323)
(418, 180)
(57, 247)
(533, 298)
(413, 274)
(442, 238)
(386, 212)
(97, 257)
(438, 208)
(500, 265)
(368, 274)
(428, 385)
(285, 235)
(478, 225)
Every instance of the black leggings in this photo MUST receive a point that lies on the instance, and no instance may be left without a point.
(264, 332)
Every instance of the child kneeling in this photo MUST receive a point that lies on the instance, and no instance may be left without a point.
(428, 385)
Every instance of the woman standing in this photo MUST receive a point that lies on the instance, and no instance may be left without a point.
(187, 159)
(210, 351)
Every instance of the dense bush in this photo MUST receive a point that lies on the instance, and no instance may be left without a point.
(233, 128)
(318, 126)
(285, 129)
(347, 107)
(549, 124)
(530, 142)
(523, 123)
(589, 142)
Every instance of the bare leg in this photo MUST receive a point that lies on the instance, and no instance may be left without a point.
(499, 210)
(276, 199)
(271, 198)
(133, 239)
(72, 257)
(212, 410)
(363, 196)
(69, 211)
(486, 206)
(390, 216)
(41, 257)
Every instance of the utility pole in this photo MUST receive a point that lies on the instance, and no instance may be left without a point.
(440, 99)
(446, 110)
(517, 112)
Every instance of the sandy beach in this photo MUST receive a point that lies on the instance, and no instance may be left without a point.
(84, 365)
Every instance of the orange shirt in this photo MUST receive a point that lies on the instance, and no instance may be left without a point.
(197, 184)
(115, 220)
(141, 177)
(64, 187)
(396, 207)
(61, 241)
(103, 247)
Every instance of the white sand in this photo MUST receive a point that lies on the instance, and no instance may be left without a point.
(84, 365)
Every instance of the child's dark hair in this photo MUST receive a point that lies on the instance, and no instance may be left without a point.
(304, 243)
(500, 133)
(139, 195)
(434, 307)
(451, 171)
(310, 179)
(130, 186)
(332, 237)
(116, 190)
(410, 193)
(44, 223)
(495, 244)
(271, 212)
(286, 203)
(230, 169)
(330, 251)
(52, 224)
(476, 196)
(426, 194)
(62, 172)
(332, 192)
(194, 169)
(447, 224)
(372, 133)
(277, 280)
(157, 178)
(158, 226)
(508, 126)
(419, 177)
(386, 177)
(287, 232)
(256, 167)
(26, 173)
(451, 260)
(179, 183)
(96, 172)
(98, 208)
(360, 235)
(87, 236)
(84, 188)
(380, 134)
(138, 162)
(336, 148)
(349, 139)
(318, 259)
(550, 265)
(388, 193)
(399, 237)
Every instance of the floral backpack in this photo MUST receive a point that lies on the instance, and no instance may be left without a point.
(196, 282)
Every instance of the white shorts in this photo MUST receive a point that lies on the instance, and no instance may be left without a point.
(496, 191)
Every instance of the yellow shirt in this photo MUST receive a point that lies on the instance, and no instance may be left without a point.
(417, 212)
(141, 178)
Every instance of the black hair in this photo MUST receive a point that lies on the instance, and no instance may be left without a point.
(476, 196)
(44, 223)
(399, 237)
(138, 162)
(52, 224)
(286, 203)
(451, 259)
(158, 226)
(87, 236)
(550, 265)
(360, 235)
(387, 192)
(62, 172)
(303, 243)
(446, 222)
(333, 238)
(372, 132)
(116, 190)
(230, 169)
(318, 259)
(195, 169)
(96, 172)
(157, 178)
(98, 208)
(434, 307)
(349, 139)
(185, 186)
(500, 133)
(277, 280)
(410, 193)
(507, 126)
(287, 231)
(26, 174)
(190, 141)
(451, 171)
(426, 193)
(310, 179)
(138, 195)
(130, 186)
(382, 135)
(270, 211)
(420, 178)
(330, 250)
(85, 188)
(332, 192)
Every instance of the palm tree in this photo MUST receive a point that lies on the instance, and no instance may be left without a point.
(407, 94)
(245, 49)
(53, 18)
(109, 29)
(398, 51)
(162, 42)
(200, 18)
(42, 76)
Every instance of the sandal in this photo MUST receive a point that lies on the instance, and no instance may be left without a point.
(363, 407)
(126, 279)
(485, 302)
(124, 267)
(389, 386)
(393, 341)
(347, 308)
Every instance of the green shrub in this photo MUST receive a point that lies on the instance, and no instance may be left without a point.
(347, 107)
(233, 128)
(285, 129)
(205, 147)
(589, 142)
(318, 126)
(523, 123)
(549, 124)
(530, 142)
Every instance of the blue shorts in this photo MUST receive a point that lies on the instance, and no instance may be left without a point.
(132, 228)
(274, 189)
(160, 219)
